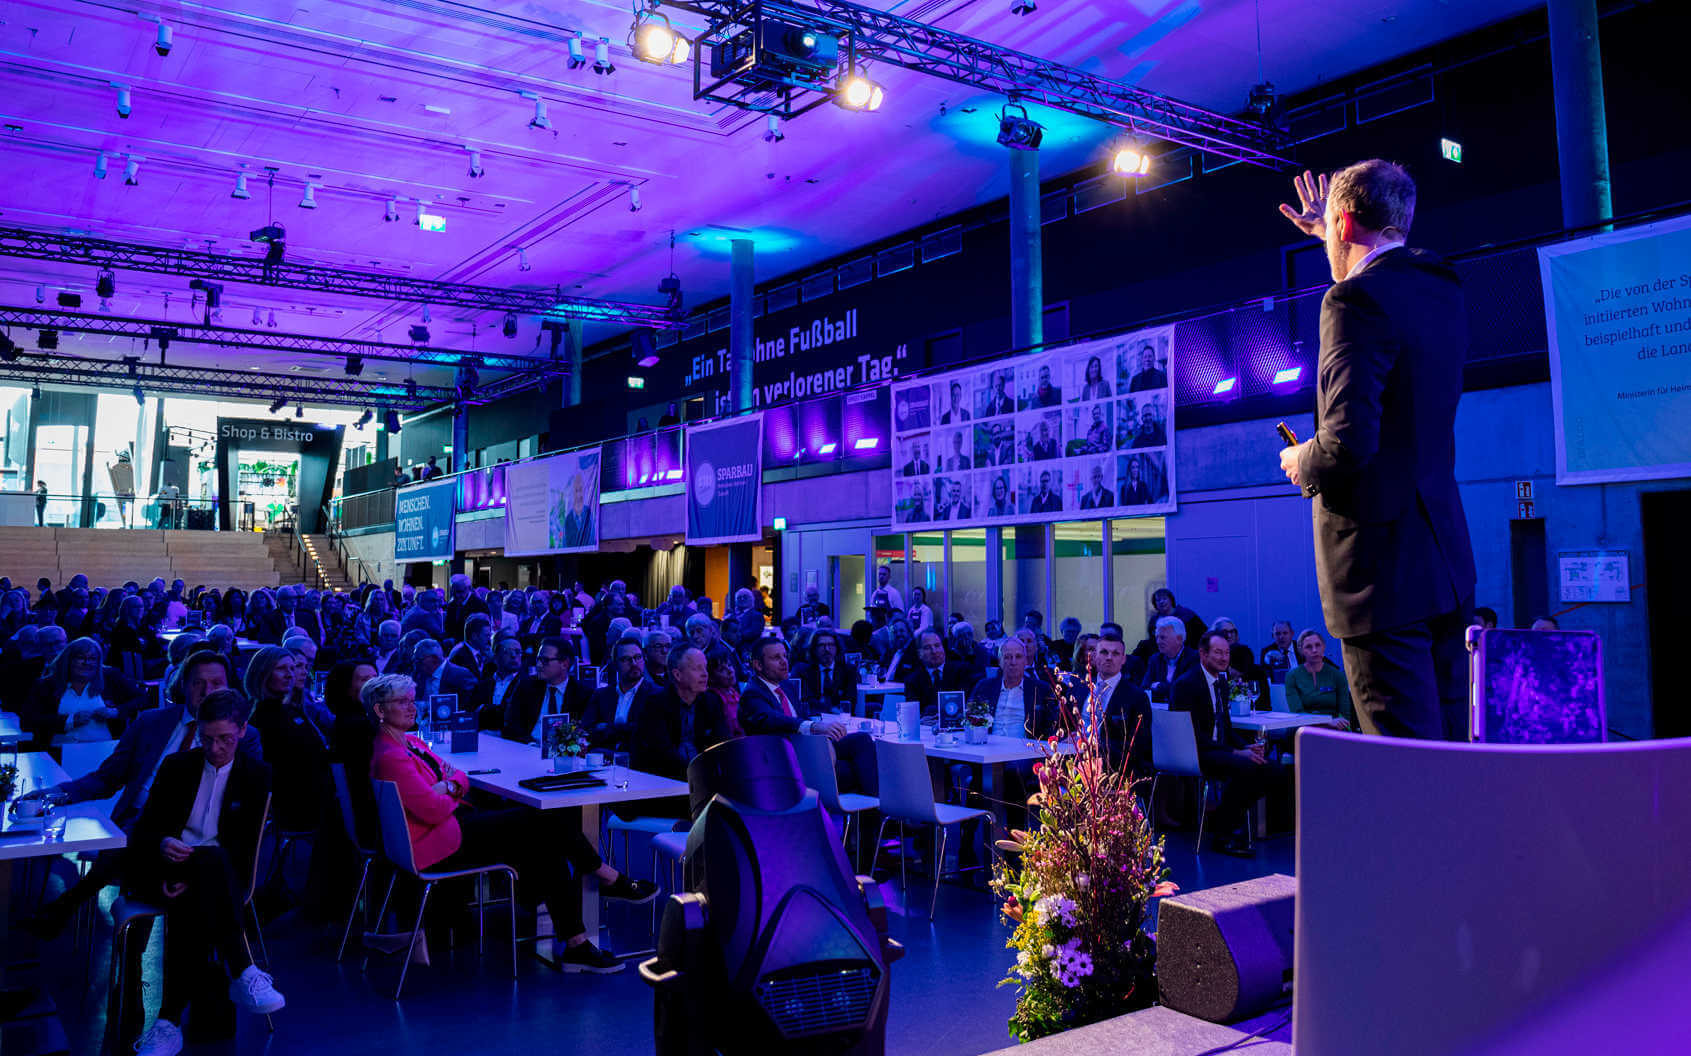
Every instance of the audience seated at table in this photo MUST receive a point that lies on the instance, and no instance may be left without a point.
(679, 722)
(434, 676)
(658, 644)
(767, 708)
(461, 604)
(613, 712)
(933, 673)
(555, 690)
(494, 692)
(1117, 712)
(1280, 655)
(1235, 759)
(724, 681)
(544, 846)
(79, 698)
(1163, 605)
(475, 653)
(1171, 661)
(192, 853)
(1022, 706)
(1317, 685)
(1243, 667)
(296, 742)
(827, 683)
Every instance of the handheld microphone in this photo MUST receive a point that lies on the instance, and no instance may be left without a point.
(1287, 437)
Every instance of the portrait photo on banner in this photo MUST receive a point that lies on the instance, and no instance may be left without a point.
(574, 521)
(1086, 430)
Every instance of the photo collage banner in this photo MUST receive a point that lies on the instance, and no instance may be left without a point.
(1076, 433)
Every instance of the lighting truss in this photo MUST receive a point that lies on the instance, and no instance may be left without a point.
(233, 384)
(869, 36)
(188, 263)
(267, 340)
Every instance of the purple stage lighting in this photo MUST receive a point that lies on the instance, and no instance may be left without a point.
(828, 448)
(868, 443)
(481, 489)
(1288, 375)
(1224, 386)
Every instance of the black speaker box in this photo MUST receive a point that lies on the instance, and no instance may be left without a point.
(1226, 953)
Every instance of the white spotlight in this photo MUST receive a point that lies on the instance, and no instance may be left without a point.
(41, 295)
(163, 42)
(602, 57)
(257, 316)
(577, 59)
(100, 166)
(391, 213)
(522, 261)
(476, 171)
(1023, 7)
(132, 172)
(422, 211)
(309, 200)
(240, 190)
(773, 133)
(125, 104)
(540, 120)
(427, 317)
(634, 204)
(1130, 160)
(272, 320)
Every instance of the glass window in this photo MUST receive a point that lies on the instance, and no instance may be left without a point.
(58, 461)
(848, 590)
(1139, 566)
(968, 578)
(927, 571)
(1023, 577)
(1077, 587)
(889, 554)
(14, 438)
(116, 419)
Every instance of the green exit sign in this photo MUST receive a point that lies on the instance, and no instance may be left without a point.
(636, 383)
(1451, 150)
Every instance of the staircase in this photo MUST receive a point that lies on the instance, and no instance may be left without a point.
(321, 558)
(111, 557)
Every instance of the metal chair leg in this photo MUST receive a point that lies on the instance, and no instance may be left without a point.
(903, 862)
(382, 914)
(258, 929)
(939, 870)
(484, 891)
(1203, 812)
(511, 876)
(416, 929)
(352, 912)
(269, 1019)
(880, 836)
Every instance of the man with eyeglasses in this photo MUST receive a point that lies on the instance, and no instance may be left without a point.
(553, 691)
(614, 711)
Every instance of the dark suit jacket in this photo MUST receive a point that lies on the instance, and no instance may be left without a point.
(600, 717)
(1051, 502)
(1092, 501)
(1125, 724)
(999, 405)
(1391, 538)
(453, 679)
(456, 612)
(1192, 693)
(760, 712)
(424, 621)
(1037, 701)
(842, 689)
(299, 754)
(239, 823)
(1159, 673)
(490, 716)
(669, 733)
(462, 656)
(919, 684)
(523, 704)
(275, 624)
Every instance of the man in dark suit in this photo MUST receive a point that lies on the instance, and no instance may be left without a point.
(425, 616)
(1392, 555)
(1148, 377)
(916, 465)
(287, 616)
(1117, 712)
(460, 604)
(767, 708)
(192, 851)
(997, 400)
(1224, 755)
(827, 683)
(498, 688)
(475, 653)
(128, 772)
(932, 673)
(553, 691)
(435, 676)
(1100, 497)
(613, 713)
(1171, 660)
(1046, 500)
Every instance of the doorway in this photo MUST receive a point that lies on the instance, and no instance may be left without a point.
(1667, 577)
(267, 488)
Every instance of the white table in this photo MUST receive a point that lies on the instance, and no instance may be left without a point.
(883, 689)
(1279, 721)
(11, 730)
(515, 762)
(991, 757)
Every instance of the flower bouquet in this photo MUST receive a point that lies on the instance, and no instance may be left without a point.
(977, 722)
(1077, 888)
(562, 741)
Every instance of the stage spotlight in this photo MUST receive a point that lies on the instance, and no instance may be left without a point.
(577, 58)
(634, 204)
(309, 200)
(428, 316)
(271, 322)
(602, 57)
(70, 300)
(140, 397)
(419, 334)
(364, 419)
(35, 391)
(467, 377)
(645, 348)
(278, 404)
(391, 212)
(1130, 160)
(1023, 7)
(654, 40)
(1018, 131)
(522, 261)
(132, 172)
(46, 340)
(670, 287)
(106, 284)
(240, 190)
(411, 388)
(773, 133)
(125, 103)
(100, 166)
(299, 412)
(390, 421)
(163, 41)
(509, 327)
(257, 316)
(1224, 386)
(540, 120)
(857, 92)
(354, 365)
(476, 171)
(41, 295)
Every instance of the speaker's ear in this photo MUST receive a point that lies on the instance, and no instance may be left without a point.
(1347, 226)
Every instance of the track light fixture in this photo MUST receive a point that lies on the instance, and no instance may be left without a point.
(257, 316)
(106, 284)
(419, 334)
(132, 172)
(140, 397)
(857, 92)
(509, 326)
(602, 57)
(1130, 159)
(125, 102)
(100, 166)
(278, 404)
(577, 58)
(428, 316)
(240, 190)
(390, 421)
(46, 341)
(522, 260)
(299, 411)
(539, 120)
(654, 40)
(1023, 7)
(272, 321)
(364, 419)
(35, 391)
(9, 350)
(41, 295)
(773, 133)
(476, 171)
(165, 39)
(391, 213)
(1017, 130)
(634, 203)
(309, 200)
(354, 365)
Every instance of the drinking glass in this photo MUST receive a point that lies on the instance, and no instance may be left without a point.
(54, 814)
(619, 770)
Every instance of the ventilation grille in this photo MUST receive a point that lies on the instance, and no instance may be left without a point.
(815, 1000)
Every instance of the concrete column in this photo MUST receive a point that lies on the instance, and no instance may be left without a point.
(381, 434)
(741, 343)
(994, 578)
(572, 356)
(460, 438)
(1027, 267)
(1582, 134)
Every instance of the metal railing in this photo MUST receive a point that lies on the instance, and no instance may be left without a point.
(109, 510)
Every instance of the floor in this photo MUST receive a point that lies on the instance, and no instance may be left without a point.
(946, 998)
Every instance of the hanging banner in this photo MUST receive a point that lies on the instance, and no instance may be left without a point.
(1617, 312)
(1075, 433)
(552, 504)
(422, 522)
(725, 481)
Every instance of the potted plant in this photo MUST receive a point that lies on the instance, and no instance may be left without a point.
(1077, 889)
(977, 722)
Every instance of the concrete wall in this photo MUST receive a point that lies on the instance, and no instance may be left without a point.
(375, 554)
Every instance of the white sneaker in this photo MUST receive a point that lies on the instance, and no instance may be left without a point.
(161, 1039)
(253, 992)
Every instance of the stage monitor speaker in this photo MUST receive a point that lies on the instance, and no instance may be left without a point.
(1226, 953)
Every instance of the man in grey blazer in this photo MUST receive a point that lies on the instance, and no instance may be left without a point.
(129, 771)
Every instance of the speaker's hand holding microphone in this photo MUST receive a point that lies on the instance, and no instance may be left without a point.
(1289, 453)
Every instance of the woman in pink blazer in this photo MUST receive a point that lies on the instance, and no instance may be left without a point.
(449, 833)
